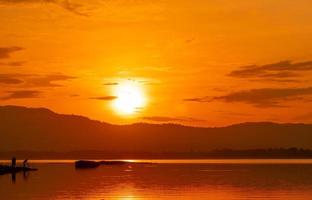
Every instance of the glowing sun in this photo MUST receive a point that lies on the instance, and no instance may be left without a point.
(130, 97)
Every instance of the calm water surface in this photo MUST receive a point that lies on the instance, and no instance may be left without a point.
(166, 179)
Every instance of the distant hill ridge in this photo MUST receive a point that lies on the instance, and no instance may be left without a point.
(40, 129)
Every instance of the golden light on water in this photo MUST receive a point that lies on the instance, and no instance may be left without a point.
(130, 97)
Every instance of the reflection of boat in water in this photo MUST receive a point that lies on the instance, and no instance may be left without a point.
(10, 170)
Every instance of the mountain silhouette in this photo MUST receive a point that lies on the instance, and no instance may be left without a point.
(39, 129)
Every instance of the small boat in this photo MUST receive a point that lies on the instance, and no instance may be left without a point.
(9, 169)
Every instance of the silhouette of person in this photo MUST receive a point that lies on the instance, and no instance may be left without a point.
(13, 162)
(25, 163)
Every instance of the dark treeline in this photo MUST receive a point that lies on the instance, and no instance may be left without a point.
(217, 153)
(274, 153)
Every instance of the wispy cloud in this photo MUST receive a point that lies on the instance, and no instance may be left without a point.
(71, 7)
(304, 117)
(104, 98)
(68, 5)
(12, 64)
(21, 94)
(11, 79)
(172, 119)
(110, 83)
(6, 80)
(48, 80)
(280, 71)
(199, 99)
(34, 80)
(265, 97)
(5, 52)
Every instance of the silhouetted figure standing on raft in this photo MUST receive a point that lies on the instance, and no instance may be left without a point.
(13, 162)
(25, 163)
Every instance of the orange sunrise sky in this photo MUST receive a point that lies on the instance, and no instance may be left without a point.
(199, 62)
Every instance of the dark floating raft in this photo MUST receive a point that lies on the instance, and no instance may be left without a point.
(85, 164)
(11, 170)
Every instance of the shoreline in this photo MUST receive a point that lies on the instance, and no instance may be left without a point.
(174, 161)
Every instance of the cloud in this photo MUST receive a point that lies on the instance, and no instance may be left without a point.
(5, 52)
(12, 64)
(21, 94)
(305, 117)
(265, 97)
(5, 80)
(274, 71)
(283, 80)
(34, 80)
(172, 119)
(10, 79)
(71, 7)
(48, 80)
(199, 99)
(110, 83)
(66, 4)
(233, 114)
(105, 98)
